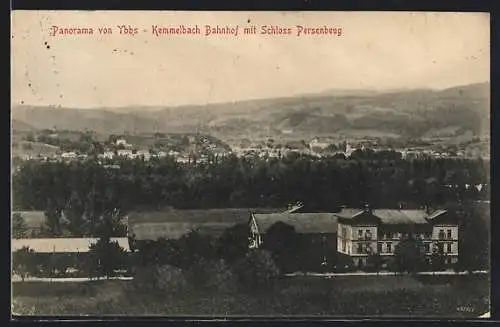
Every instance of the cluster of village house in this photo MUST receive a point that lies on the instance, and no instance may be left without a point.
(320, 148)
(127, 150)
(315, 147)
(355, 233)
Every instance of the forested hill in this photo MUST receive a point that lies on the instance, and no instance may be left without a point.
(411, 113)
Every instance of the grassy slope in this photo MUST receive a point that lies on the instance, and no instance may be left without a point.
(33, 148)
(346, 296)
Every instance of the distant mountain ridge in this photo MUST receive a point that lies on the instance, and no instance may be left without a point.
(400, 112)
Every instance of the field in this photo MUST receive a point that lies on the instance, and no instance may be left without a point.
(396, 296)
(362, 134)
(23, 148)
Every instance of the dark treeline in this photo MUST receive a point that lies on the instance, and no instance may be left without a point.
(88, 189)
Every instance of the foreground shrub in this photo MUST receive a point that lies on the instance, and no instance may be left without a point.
(212, 274)
(160, 252)
(145, 277)
(23, 262)
(195, 247)
(19, 227)
(256, 270)
(283, 242)
(233, 243)
(170, 278)
(105, 257)
(58, 264)
(344, 264)
(159, 277)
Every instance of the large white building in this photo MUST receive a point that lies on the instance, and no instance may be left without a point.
(362, 232)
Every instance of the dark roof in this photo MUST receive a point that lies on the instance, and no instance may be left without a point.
(172, 224)
(403, 217)
(436, 214)
(305, 223)
(348, 213)
(393, 216)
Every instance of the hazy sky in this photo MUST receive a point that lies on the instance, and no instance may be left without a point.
(375, 51)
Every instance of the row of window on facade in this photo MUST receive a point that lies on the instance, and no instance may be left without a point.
(441, 234)
(363, 248)
(368, 235)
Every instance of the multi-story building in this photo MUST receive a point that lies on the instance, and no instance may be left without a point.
(362, 232)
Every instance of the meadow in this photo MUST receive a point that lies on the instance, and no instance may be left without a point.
(368, 296)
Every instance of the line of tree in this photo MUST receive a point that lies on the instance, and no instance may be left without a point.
(84, 191)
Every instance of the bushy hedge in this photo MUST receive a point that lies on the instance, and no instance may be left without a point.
(170, 279)
(23, 264)
(159, 278)
(213, 274)
(104, 258)
(256, 270)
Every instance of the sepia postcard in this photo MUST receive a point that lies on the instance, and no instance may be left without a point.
(250, 164)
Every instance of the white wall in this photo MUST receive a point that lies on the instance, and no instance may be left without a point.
(347, 239)
(445, 228)
(256, 240)
(352, 237)
(453, 241)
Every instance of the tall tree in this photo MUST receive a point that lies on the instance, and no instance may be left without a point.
(194, 247)
(282, 242)
(233, 244)
(105, 256)
(438, 258)
(374, 261)
(74, 214)
(474, 238)
(53, 219)
(23, 263)
(409, 255)
(19, 227)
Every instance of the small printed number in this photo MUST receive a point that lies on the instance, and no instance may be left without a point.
(465, 309)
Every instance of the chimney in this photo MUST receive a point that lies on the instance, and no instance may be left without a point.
(428, 209)
(294, 207)
(368, 209)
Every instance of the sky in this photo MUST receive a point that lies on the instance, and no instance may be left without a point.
(376, 51)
